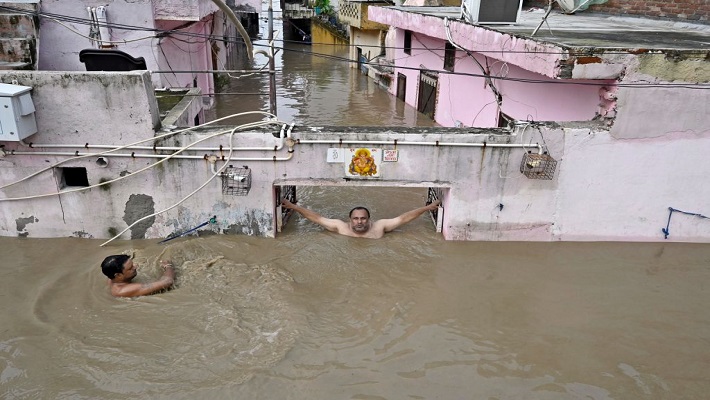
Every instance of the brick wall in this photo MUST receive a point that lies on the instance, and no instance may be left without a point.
(690, 10)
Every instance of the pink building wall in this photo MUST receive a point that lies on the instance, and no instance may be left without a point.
(464, 100)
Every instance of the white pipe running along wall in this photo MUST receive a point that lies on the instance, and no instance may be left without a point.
(104, 153)
(283, 134)
(539, 147)
(164, 158)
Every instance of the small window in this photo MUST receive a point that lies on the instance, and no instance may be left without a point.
(408, 42)
(449, 57)
(73, 176)
(505, 121)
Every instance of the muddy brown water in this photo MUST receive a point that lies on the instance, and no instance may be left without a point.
(311, 314)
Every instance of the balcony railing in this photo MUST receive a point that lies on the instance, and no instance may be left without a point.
(355, 15)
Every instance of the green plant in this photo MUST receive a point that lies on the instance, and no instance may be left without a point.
(324, 6)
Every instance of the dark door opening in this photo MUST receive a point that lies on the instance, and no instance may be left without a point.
(426, 102)
(401, 87)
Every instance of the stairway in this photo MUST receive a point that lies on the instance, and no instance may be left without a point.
(19, 34)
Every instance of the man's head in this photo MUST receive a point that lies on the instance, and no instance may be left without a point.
(359, 219)
(119, 267)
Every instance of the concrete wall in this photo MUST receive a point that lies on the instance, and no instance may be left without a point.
(183, 10)
(76, 107)
(604, 188)
(610, 183)
(367, 40)
(689, 10)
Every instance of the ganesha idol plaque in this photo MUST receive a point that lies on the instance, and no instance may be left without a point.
(363, 163)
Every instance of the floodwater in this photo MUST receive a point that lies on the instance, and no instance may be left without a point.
(314, 315)
(314, 87)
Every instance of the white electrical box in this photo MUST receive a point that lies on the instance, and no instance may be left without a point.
(17, 113)
(490, 12)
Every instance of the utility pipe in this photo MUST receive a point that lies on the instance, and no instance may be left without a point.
(272, 64)
(436, 144)
(230, 14)
(133, 155)
(282, 135)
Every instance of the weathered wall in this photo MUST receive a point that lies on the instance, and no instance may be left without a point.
(611, 183)
(183, 10)
(76, 107)
(604, 188)
(367, 40)
(691, 10)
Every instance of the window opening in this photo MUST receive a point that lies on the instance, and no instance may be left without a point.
(449, 57)
(73, 177)
(407, 42)
(401, 86)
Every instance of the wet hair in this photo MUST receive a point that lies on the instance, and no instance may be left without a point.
(113, 265)
(359, 208)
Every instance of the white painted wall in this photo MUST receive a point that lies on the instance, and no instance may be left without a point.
(605, 187)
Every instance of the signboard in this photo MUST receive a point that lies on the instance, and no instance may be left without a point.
(390, 155)
(335, 155)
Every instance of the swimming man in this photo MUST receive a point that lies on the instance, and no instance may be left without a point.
(360, 224)
(120, 270)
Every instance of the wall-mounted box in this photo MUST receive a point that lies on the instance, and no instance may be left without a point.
(17, 113)
(491, 11)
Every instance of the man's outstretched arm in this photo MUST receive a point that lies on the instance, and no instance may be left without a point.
(393, 223)
(143, 289)
(332, 225)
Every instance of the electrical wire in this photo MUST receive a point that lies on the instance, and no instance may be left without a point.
(93, 39)
(489, 81)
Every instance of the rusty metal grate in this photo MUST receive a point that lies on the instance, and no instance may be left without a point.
(236, 181)
(538, 166)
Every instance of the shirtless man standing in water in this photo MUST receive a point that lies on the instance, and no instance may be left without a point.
(360, 224)
(120, 270)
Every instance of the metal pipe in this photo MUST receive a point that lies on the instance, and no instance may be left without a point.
(436, 144)
(277, 147)
(272, 64)
(133, 155)
(157, 148)
(230, 14)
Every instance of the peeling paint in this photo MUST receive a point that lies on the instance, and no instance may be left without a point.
(137, 207)
(82, 234)
(687, 69)
(22, 222)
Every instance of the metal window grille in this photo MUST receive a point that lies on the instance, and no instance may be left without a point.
(538, 166)
(236, 181)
